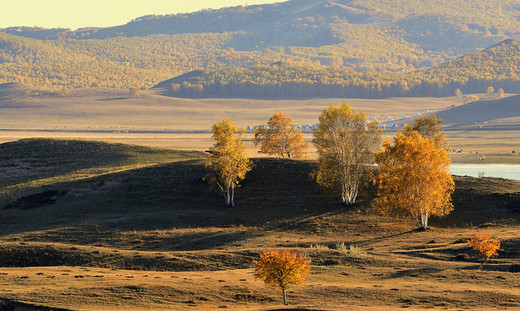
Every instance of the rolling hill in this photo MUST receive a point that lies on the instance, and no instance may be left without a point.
(481, 112)
(149, 235)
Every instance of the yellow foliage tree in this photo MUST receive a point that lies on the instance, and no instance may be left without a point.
(280, 138)
(428, 126)
(413, 179)
(134, 91)
(485, 245)
(458, 93)
(471, 98)
(228, 162)
(345, 142)
(490, 91)
(280, 269)
(500, 93)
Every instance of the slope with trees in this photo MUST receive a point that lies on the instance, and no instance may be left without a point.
(366, 36)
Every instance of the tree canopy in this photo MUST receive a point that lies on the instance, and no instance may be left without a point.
(413, 179)
(281, 138)
(227, 162)
(281, 269)
(345, 142)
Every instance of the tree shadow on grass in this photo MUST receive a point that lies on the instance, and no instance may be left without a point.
(175, 195)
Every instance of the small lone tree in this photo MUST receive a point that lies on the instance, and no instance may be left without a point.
(471, 98)
(490, 91)
(345, 142)
(500, 93)
(134, 91)
(228, 162)
(428, 126)
(280, 269)
(458, 93)
(280, 138)
(485, 245)
(413, 179)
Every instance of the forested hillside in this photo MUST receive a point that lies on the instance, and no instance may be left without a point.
(496, 66)
(344, 37)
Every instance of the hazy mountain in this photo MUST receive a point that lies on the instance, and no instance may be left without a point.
(359, 35)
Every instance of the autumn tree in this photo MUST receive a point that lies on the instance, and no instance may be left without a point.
(428, 126)
(490, 91)
(228, 162)
(280, 269)
(458, 93)
(280, 138)
(413, 179)
(500, 93)
(134, 92)
(345, 142)
(485, 245)
(471, 98)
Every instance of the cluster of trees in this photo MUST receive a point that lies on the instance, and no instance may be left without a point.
(412, 174)
(118, 62)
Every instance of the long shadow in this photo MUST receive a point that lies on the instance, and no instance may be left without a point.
(112, 98)
(176, 195)
(381, 238)
(413, 273)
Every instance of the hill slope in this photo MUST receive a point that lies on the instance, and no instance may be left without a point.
(482, 111)
(153, 237)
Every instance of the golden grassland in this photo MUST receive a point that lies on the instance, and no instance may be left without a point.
(135, 228)
(176, 123)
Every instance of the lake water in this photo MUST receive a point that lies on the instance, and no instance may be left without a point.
(509, 171)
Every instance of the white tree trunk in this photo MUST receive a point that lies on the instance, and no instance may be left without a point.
(422, 220)
(232, 201)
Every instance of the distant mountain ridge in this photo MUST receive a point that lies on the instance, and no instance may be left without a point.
(371, 36)
(497, 66)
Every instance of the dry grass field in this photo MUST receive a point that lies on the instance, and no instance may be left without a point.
(94, 226)
(86, 225)
(176, 123)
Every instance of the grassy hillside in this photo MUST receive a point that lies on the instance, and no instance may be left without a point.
(149, 235)
(481, 112)
(31, 164)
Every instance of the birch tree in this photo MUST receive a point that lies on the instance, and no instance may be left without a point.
(429, 126)
(280, 138)
(345, 143)
(228, 162)
(413, 179)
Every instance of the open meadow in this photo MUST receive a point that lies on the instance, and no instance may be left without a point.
(96, 226)
(178, 123)
(90, 225)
